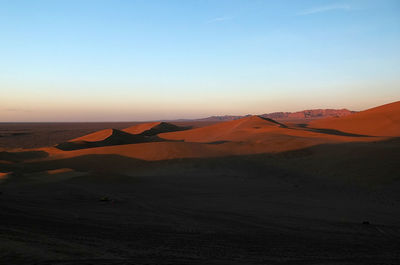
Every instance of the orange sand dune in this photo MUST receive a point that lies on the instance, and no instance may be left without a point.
(254, 129)
(263, 143)
(275, 143)
(153, 128)
(226, 131)
(137, 129)
(95, 137)
(106, 138)
(379, 121)
(249, 135)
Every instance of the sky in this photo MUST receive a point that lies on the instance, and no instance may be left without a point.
(121, 60)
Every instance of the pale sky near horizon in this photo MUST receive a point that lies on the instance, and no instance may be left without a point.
(149, 60)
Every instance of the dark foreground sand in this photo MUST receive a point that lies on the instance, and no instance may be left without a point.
(293, 208)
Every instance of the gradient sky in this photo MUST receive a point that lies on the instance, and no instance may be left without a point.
(147, 60)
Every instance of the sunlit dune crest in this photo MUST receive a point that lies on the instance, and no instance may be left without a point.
(379, 121)
(141, 133)
(107, 137)
(95, 137)
(153, 128)
(230, 130)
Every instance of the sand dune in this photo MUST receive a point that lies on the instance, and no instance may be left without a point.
(257, 130)
(106, 138)
(96, 136)
(249, 135)
(226, 131)
(166, 150)
(379, 121)
(153, 128)
(141, 133)
(246, 136)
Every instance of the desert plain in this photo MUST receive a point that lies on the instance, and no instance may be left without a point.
(250, 190)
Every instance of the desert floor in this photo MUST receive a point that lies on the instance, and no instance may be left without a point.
(333, 202)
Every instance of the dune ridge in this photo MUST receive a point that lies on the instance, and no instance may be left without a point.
(96, 136)
(225, 131)
(141, 133)
(379, 121)
(153, 128)
(106, 137)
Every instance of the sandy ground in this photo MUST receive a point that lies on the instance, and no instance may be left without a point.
(238, 210)
(245, 192)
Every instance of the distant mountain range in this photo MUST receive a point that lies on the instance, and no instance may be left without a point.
(305, 114)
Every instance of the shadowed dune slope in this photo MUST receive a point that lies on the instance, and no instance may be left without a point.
(19, 156)
(141, 133)
(165, 150)
(153, 128)
(147, 151)
(379, 121)
(106, 137)
(235, 130)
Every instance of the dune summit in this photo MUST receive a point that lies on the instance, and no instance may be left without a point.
(225, 131)
(106, 137)
(379, 121)
(153, 128)
(96, 136)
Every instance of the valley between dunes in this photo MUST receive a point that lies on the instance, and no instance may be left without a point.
(247, 191)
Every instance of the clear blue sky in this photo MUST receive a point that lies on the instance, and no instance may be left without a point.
(146, 60)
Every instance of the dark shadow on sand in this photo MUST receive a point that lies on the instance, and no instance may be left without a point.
(273, 121)
(119, 137)
(371, 162)
(22, 156)
(331, 131)
(218, 142)
(164, 127)
(116, 138)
